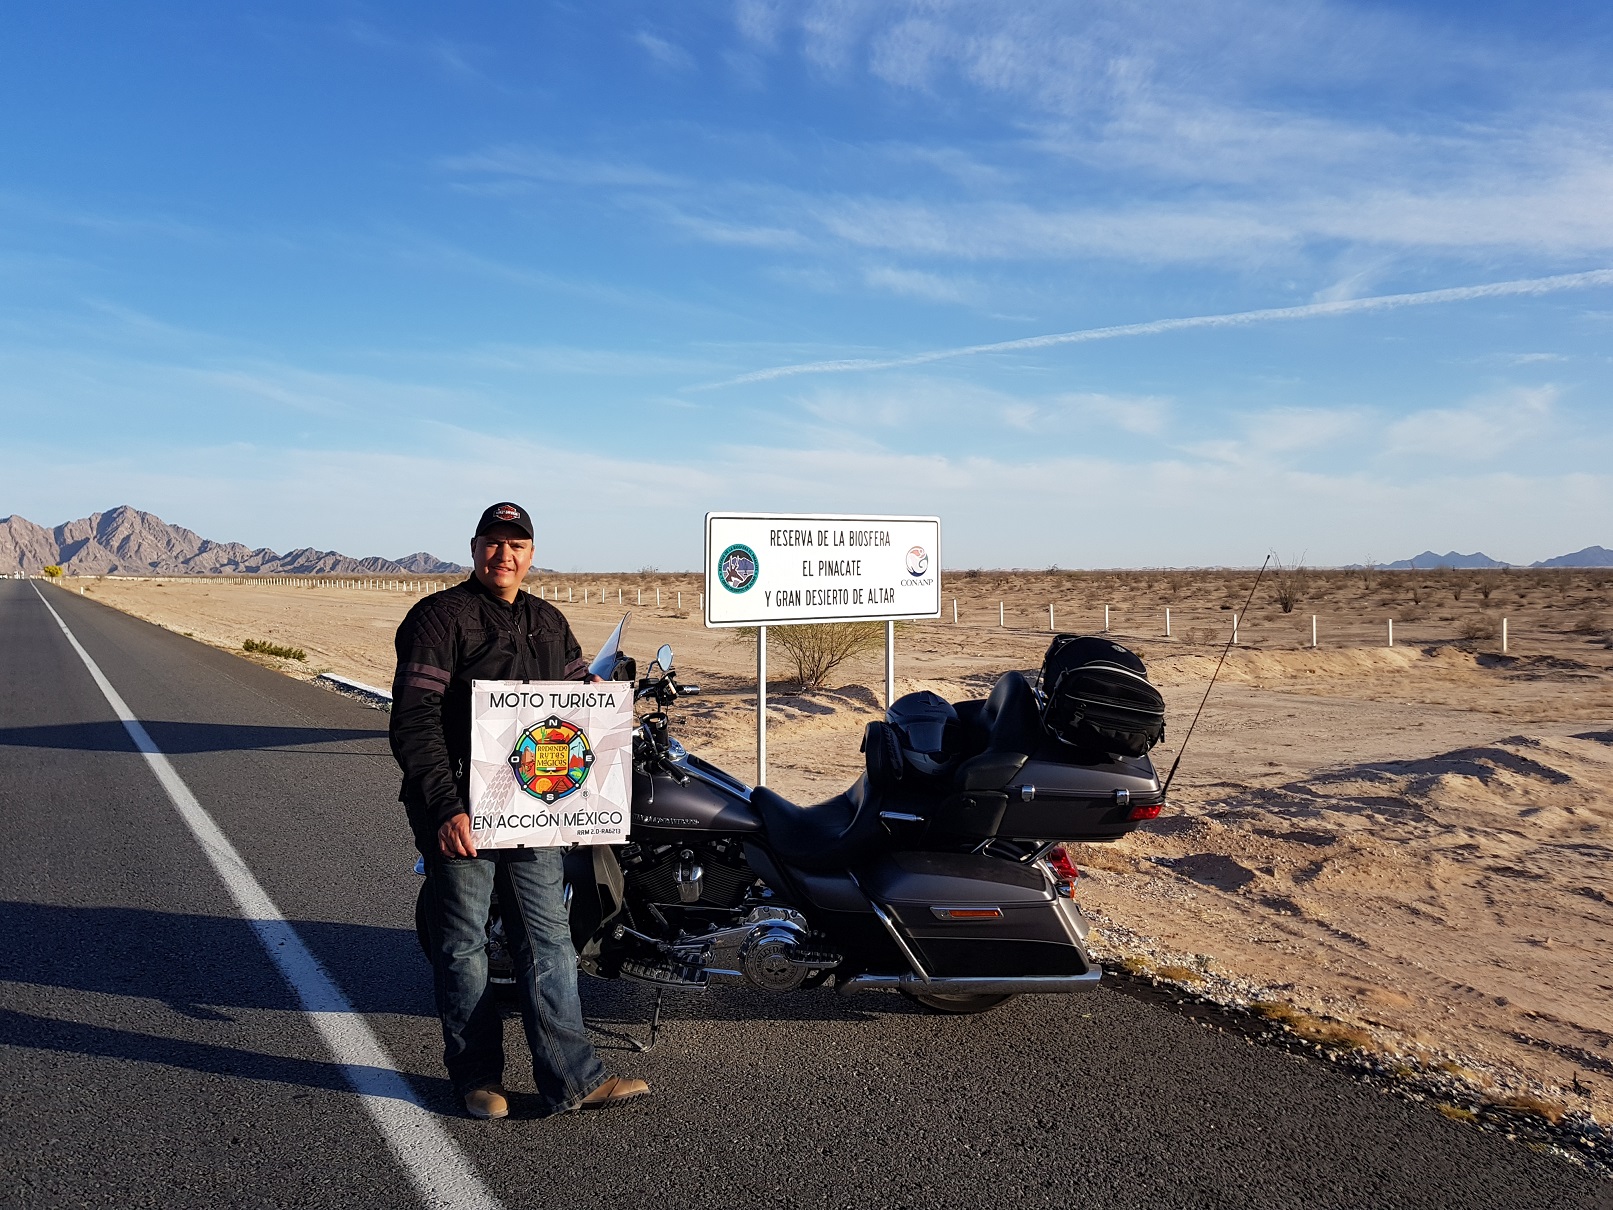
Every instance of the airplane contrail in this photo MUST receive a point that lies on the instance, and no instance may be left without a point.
(1380, 302)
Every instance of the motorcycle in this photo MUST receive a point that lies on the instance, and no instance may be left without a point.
(939, 873)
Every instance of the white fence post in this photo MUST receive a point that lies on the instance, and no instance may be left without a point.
(1391, 632)
(1167, 621)
(1050, 625)
(1503, 636)
(954, 611)
(1105, 619)
(1313, 630)
(1000, 620)
(1234, 630)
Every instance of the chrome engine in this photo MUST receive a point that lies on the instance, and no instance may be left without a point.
(770, 949)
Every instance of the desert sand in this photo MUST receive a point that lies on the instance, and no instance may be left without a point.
(1414, 843)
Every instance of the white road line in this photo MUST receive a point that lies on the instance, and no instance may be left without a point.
(440, 1170)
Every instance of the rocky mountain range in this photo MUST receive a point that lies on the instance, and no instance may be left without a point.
(126, 541)
(1591, 556)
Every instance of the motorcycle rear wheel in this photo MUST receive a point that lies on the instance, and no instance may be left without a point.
(955, 1005)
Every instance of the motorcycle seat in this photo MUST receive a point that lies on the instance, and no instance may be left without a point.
(831, 835)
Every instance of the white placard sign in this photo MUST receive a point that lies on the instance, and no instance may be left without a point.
(551, 763)
(767, 569)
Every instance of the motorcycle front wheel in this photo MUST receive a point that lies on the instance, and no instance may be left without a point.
(956, 1005)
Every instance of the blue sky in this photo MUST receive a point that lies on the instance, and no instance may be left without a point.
(341, 274)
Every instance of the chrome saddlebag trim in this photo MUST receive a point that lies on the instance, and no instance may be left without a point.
(1011, 985)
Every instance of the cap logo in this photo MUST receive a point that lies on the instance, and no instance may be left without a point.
(507, 512)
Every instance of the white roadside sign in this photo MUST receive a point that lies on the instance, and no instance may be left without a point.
(551, 763)
(770, 569)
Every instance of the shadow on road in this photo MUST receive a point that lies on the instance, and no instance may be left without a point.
(100, 1041)
(177, 738)
(199, 965)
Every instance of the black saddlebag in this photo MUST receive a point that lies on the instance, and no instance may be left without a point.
(1097, 697)
(970, 916)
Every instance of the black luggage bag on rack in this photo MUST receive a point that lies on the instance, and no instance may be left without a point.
(1097, 698)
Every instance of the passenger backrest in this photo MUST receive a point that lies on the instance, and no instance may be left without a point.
(1013, 715)
(1013, 720)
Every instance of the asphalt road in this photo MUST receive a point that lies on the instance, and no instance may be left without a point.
(151, 1054)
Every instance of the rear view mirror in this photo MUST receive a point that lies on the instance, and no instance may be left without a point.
(663, 657)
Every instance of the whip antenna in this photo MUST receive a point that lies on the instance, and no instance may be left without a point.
(1230, 640)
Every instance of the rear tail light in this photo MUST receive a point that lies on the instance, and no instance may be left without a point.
(1063, 868)
(1142, 812)
(1065, 874)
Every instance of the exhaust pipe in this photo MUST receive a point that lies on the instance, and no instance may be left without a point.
(1008, 985)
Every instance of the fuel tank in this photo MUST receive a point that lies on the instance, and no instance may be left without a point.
(705, 800)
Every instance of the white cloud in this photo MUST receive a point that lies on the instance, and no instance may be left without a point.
(916, 283)
(538, 164)
(667, 54)
(1481, 431)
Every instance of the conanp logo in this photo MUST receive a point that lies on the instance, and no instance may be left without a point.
(737, 568)
(918, 561)
(552, 759)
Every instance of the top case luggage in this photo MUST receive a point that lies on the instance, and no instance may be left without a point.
(1097, 698)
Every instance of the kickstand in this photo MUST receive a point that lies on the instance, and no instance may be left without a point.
(655, 1025)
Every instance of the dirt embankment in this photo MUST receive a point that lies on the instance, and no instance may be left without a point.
(1414, 841)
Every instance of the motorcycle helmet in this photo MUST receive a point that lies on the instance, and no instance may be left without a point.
(928, 727)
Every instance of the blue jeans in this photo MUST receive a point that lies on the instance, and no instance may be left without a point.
(532, 899)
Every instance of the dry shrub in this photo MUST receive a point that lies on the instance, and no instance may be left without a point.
(1289, 581)
(1478, 626)
(1302, 1024)
(1181, 974)
(815, 651)
(261, 647)
(1528, 1103)
(1590, 623)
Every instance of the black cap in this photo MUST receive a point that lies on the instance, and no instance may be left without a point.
(505, 513)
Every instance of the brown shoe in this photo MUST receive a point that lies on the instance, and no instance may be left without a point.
(614, 1090)
(487, 1102)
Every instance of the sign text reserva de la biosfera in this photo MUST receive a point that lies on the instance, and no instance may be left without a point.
(772, 569)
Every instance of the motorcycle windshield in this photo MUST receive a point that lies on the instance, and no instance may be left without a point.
(603, 665)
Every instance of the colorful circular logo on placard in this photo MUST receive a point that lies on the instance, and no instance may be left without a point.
(737, 568)
(552, 759)
(918, 561)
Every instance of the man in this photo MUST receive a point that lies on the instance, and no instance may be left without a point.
(489, 629)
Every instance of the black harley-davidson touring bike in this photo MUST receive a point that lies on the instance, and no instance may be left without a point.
(938, 873)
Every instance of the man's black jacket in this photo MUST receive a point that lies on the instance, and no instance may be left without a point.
(448, 640)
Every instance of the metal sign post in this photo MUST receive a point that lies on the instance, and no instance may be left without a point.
(761, 705)
(776, 569)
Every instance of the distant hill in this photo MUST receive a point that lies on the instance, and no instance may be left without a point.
(1428, 560)
(126, 541)
(1591, 556)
